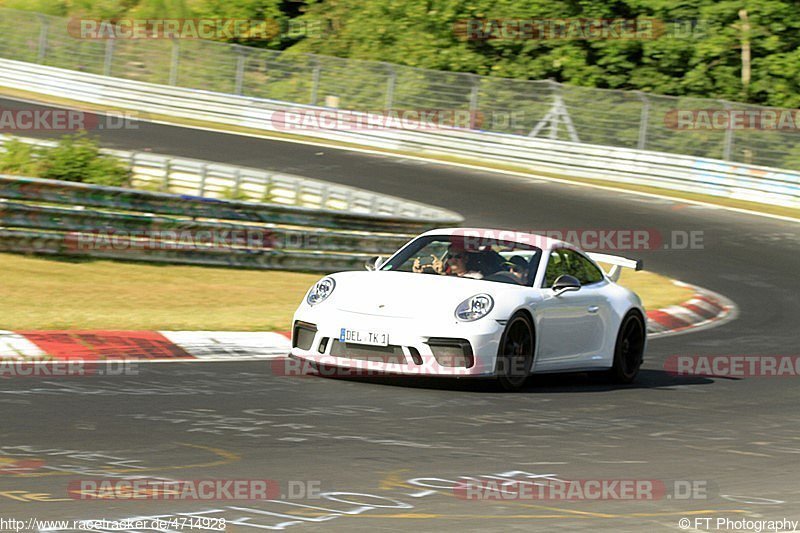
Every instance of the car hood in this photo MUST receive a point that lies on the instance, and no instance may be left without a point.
(408, 295)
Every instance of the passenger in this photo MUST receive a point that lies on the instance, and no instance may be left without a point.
(518, 267)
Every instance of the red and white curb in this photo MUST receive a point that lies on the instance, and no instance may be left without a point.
(705, 309)
(150, 346)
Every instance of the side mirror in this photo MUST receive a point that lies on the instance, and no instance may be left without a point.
(566, 283)
(373, 263)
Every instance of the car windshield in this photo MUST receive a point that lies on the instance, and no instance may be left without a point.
(468, 257)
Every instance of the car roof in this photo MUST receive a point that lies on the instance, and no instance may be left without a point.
(533, 239)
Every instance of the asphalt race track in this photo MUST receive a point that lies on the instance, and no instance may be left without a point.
(385, 454)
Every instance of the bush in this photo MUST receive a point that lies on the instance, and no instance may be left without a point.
(78, 158)
(19, 158)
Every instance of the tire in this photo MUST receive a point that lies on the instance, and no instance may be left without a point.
(629, 349)
(515, 354)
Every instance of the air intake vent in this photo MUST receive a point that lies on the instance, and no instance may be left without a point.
(303, 335)
(452, 352)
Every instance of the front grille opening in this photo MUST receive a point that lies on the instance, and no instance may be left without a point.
(363, 352)
(453, 353)
(303, 335)
(323, 344)
(415, 356)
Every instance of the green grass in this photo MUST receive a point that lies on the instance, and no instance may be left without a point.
(44, 293)
(48, 293)
(656, 291)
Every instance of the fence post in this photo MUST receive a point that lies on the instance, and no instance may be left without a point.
(109, 57)
(201, 190)
(42, 51)
(728, 142)
(390, 83)
(237, 181)
(298, 193)
(643, 120)
(267, 197)
(473, 100)
(325, 195)
(474, 93)
(131, 166)
(555, 110)
(315, 81)
(240, 60)
(165, 183)
(174, 61)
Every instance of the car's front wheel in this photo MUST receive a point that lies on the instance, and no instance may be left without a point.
(629, 350)
(515, 355)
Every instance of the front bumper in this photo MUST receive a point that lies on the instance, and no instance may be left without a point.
(417, 347)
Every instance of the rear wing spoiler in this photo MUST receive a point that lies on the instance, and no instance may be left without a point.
(617, 263)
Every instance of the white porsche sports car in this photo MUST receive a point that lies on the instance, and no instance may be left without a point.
(475, 303)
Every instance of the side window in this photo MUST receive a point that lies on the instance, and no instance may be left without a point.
(582, 268)
(556, 266)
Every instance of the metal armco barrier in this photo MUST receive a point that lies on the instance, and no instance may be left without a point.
(36, 242)
(87, 221)
(40, 190)
(111, 222)
(214, 180)
(670, 171)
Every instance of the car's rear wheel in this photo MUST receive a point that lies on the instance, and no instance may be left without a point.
(515, 355)
(629, 350)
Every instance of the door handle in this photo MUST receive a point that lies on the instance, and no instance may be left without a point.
(593, 309)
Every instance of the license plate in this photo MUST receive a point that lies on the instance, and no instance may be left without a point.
(364, 336)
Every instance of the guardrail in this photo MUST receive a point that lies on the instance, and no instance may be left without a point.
(682, 173)
(111, 222)
(215, 180)
(87, 221)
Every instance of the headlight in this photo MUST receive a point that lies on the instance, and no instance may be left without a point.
(474, 308)
(321, 290)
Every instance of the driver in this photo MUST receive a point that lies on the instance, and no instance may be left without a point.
(460, 263)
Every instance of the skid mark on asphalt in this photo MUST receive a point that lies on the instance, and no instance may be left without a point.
(754, 454)
(225, 456)
(545, 463)
(442, 516)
